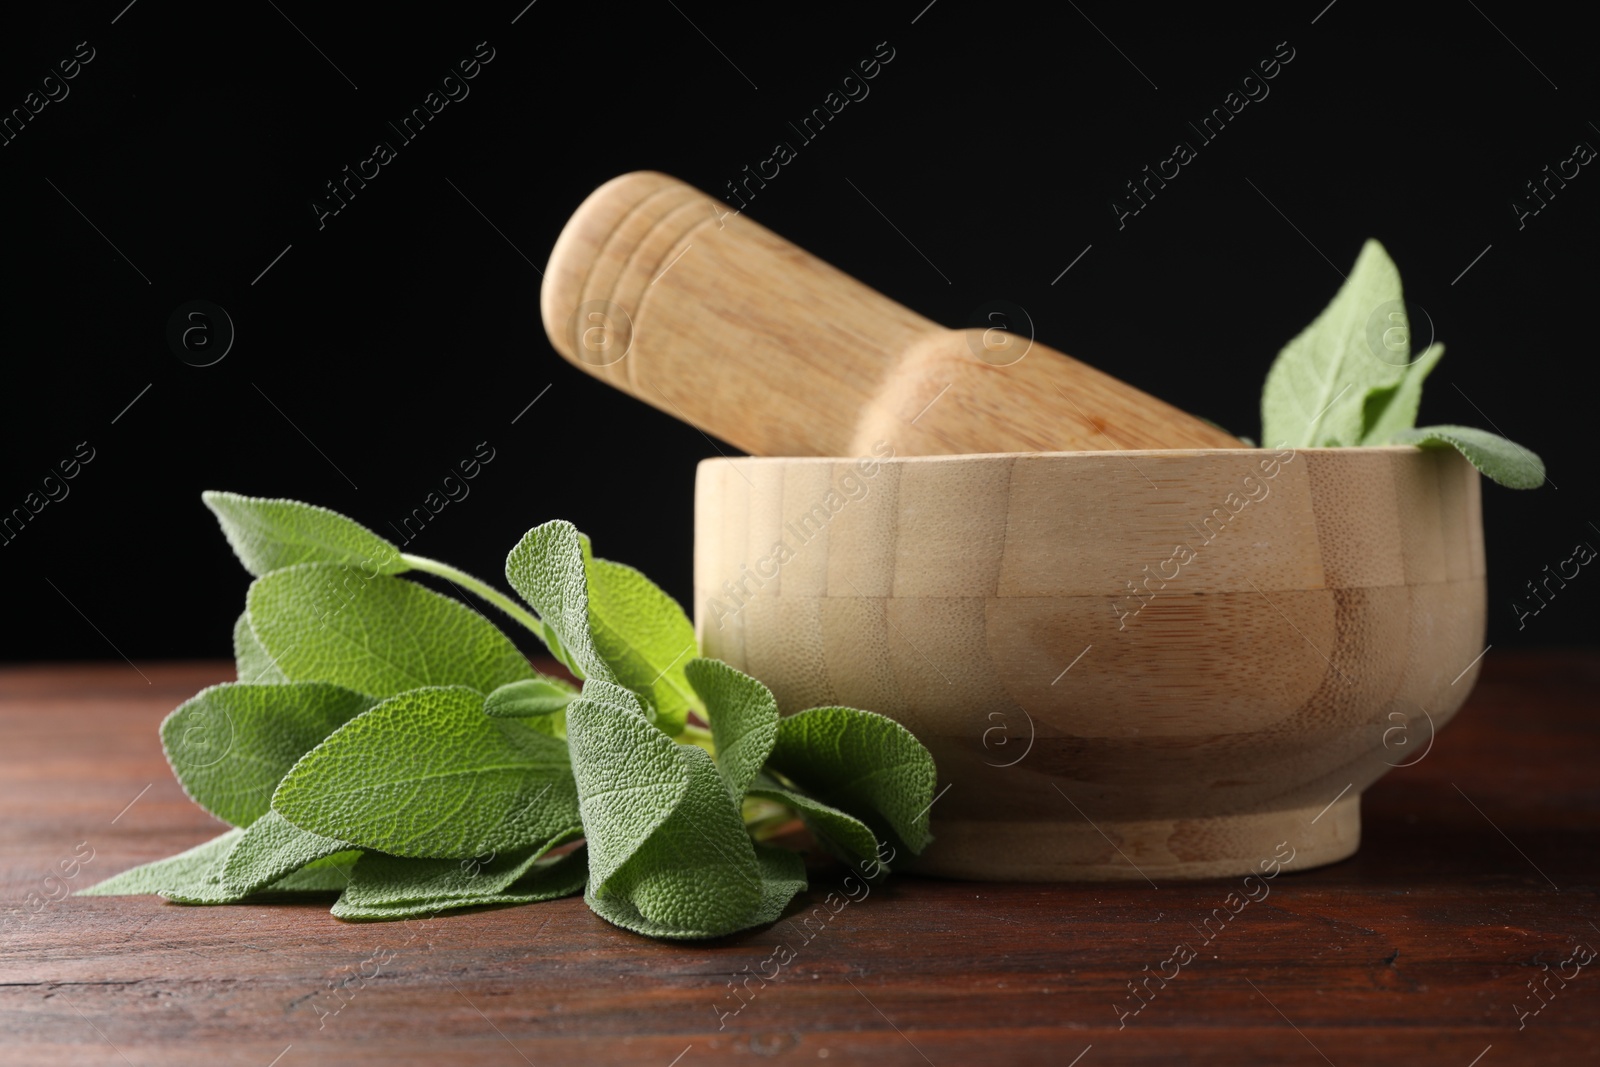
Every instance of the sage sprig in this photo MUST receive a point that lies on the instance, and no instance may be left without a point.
(1332, 385)
(389, 743)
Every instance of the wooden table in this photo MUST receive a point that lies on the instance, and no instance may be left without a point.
(1477, 875)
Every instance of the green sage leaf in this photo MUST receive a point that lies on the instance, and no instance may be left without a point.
(270, 849)
(1316, 392)
(384, 881)
(841, 833)
(379, 635)
(644, 637)
(230, 745)
(863, 763)
(629, 776)
(428, 774)
(1394, 408)
(546, 569)
(696, 875)
(544, 881)
(744, 720)
(251, 662)
(534, 699)
(268, 535)
(193, 870)
(1503, 461)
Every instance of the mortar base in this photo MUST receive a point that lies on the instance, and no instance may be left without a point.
(1216, 846)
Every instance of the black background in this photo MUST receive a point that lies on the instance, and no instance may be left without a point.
(406, 330)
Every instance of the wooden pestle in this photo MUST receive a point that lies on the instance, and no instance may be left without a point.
(655, 288)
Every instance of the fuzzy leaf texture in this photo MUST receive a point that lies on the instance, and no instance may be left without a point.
(274, 848)
(327, 875)
(428, 774)
(606, 620)
(543, 881)
(864, 763)
(196, 874)
(781, 875)
(383, 883)
(382, 635)
(192, 871)
(381, 880)
(268, 535)
(271, 849)
(841, 833)
(697, 875)
(669, 853)
(251, 662)
(744, 721)
(628, 774)
(546, 569)
(534, 699)
(1503, 461)
(644, 637)
(230, 745)
(1316, 391)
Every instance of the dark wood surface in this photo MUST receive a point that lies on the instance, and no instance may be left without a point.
(1478, 873)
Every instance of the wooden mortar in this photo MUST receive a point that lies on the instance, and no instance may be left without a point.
(1100, 703)
(1182, 658)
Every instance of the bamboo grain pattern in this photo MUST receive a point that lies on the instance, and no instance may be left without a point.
(1223, 696)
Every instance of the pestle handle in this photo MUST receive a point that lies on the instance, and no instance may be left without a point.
(654, 287)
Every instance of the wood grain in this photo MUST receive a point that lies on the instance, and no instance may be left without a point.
(1210, 652)
(662, 291)
(1413, 952)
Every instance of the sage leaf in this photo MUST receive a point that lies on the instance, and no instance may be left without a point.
(270, 849)
(251, 662)
(193, 870)
(1503, 461)
(389, 744)
(744, 720)
(558, 650)
(546, 569)
(1329, 387)
(230, 745)
(537, 700)
(1317, 388)
(383, 881)
(268, 535)
(863, 763)
(331, 874)
(607, 620)
(273, 848)
(629, 775)
(195, 875)
(697, 875)
(428, 774)
(841, 833)
(378, 635)
(544, 881)
(783, 874)
(644, 637)
(1394, 408)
